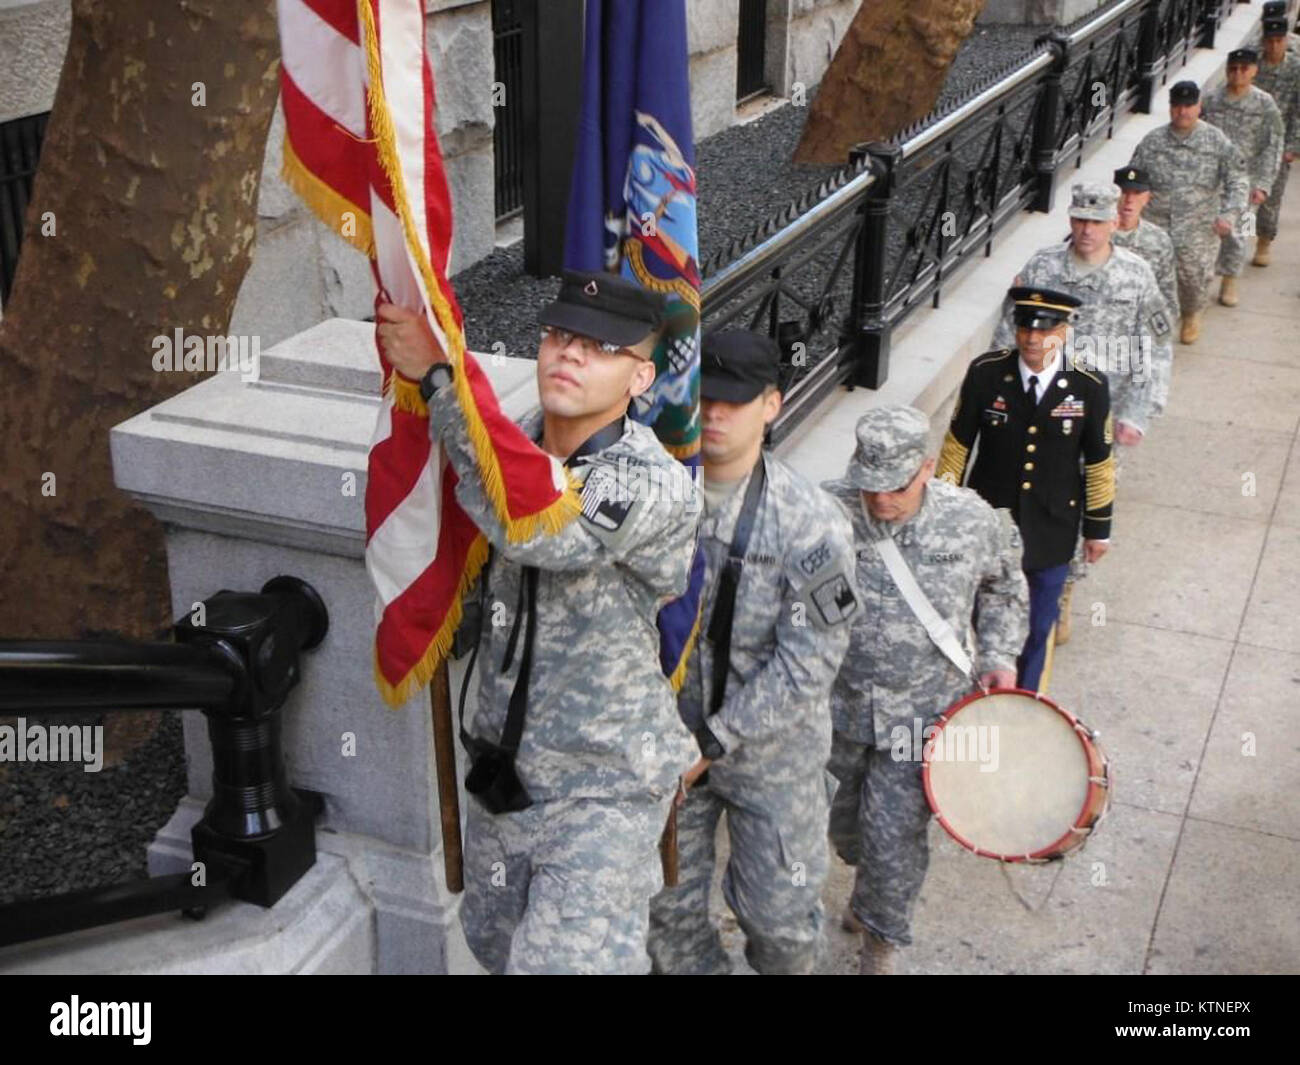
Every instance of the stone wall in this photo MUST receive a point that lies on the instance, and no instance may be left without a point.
(802, 36)
(1037, 12)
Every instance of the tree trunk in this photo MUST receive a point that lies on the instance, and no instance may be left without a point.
(142, 220)
(887, 73)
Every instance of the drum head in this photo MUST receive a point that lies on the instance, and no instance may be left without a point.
(1008, 775)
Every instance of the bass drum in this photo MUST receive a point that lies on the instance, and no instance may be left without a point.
(1011, 775)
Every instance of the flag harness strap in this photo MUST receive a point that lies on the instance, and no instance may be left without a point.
(525, 608)
(725, 604)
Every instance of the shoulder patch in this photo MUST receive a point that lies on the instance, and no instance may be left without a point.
(834, 601)
(605, 508)
(1159, 323)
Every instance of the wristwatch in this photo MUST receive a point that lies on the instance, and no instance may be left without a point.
(710, 746)
(438, 376)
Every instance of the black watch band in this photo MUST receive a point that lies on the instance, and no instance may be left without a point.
(438, 376)
(710, 746)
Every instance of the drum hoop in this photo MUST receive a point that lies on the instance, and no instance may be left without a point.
(1090, 747)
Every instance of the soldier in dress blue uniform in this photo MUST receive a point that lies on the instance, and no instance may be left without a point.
(1036, 420)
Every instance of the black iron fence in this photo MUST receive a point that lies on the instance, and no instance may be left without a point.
(837, 271)
(256, 838)
(20, 148)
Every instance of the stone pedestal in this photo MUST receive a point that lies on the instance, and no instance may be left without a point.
(258, 478)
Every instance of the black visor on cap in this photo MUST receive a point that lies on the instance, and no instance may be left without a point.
(737, 365)
(1131, 178)
(604, 307)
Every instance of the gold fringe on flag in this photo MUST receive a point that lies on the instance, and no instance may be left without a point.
(422, 672)
(557, 515)
(325, 203)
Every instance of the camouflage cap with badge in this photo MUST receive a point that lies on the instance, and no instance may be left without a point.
(891, 448)
(1094, 202)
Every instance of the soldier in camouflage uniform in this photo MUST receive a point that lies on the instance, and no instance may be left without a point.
(1279, 76)
(1253, 122)
(1275, 11)
(765, 748)
(895, 682)
(1199, 191)
(1124, 328)
(1144, 238)
(563, 885)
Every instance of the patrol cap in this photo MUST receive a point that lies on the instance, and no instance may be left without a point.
(1184, 92)
(1041, 308)
(1243, 55)
(1131, 178)
(604, 307)
(1094, 202)
(891, 446)
(737, 364)
(1275, 27)
(1275, 9)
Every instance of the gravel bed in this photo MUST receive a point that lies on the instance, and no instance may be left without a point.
(63, 829)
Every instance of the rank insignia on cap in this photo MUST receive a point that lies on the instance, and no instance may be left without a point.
(591, 289)
(1132, 175)
(1037, 297)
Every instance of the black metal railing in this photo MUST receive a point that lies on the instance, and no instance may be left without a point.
(834, 274)
(508, 129)
(20, 148)
(256, 838)
(751, 50)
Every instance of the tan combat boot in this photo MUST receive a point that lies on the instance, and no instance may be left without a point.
(1063, 618)
(850, 923)
(1191, 328)
(1228, 292)
(878, 957)
(1263, 247)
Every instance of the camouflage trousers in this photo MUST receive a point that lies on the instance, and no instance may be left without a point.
(1232, 251)
(1272, 207)
(563, 886)
(879, 823)
(773, 881)
(1195, 255)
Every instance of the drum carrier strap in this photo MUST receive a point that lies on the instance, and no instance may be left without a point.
(724, 605)
(936, 626)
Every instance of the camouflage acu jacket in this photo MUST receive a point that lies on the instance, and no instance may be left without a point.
(790, 629)
(964, 555)
(1254, 124)
(1195, 179)
(602, 719)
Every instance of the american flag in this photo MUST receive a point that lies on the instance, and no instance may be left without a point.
(361, 150)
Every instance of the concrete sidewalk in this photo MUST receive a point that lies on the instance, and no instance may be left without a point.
(1186, 649)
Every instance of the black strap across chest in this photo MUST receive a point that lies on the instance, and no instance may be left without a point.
(724, 605)
(526, 613)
